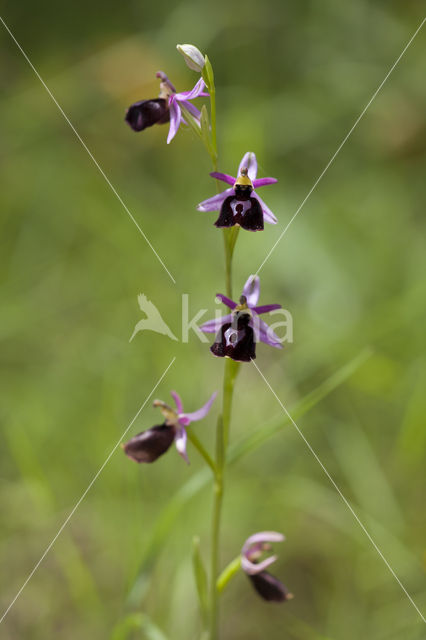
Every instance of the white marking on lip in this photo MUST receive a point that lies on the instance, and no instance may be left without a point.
(240, 207)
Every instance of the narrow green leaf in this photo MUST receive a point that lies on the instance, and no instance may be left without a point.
(137, 622)
(200, 576)
(192, 122)
(208, 75)
(255, 439)
(76, 571)
(205, 129)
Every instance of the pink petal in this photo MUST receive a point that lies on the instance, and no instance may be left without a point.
(192, 110)
(268, 336)
(265, 308)
(194, 93)
(175, 118)
(251, 290)
(224, 177)
(213, 326)
(215, 202)
(176, 397)
(262, 182)
(268, 216)
(201, 413)
(249, 162)
(256, 567)
(180, 442)
(262, 537)
(229, 303)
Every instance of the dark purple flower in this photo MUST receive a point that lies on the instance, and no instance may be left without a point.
(237, 332)
(149, 445)
(165, 108)
(240, 204)
(267, 586)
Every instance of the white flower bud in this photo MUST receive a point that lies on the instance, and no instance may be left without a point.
(193, 56)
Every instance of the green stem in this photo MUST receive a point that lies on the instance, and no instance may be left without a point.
(230, 373)
(222, 439)
(217, 513)
(213, 118)
(228, 265)
(230, 239)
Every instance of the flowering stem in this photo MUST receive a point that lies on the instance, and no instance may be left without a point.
(231, 369)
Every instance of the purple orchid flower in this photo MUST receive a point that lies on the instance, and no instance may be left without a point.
(237, 332)
(149, 445)
(267, 586)
(165, 108)
(231, 199)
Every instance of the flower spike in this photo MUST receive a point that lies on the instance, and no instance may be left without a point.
(149, 445)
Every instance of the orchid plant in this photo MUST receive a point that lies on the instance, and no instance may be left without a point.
(236, 335)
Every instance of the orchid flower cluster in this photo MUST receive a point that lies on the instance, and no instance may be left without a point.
(236, 334)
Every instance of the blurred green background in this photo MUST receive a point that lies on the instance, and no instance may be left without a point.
(292, 77)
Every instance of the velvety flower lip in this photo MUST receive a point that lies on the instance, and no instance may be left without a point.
(149, 445)
(248, 163)
(235, 339)
(267, 586)
(165, 108)
(250, 295)
(146, 113)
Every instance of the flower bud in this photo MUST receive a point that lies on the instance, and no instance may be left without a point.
(145, 113)
(150, 444)
(193, 56)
